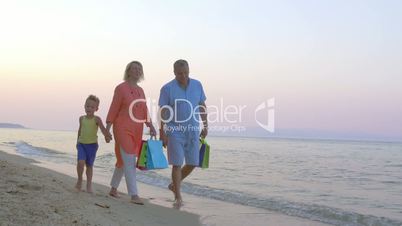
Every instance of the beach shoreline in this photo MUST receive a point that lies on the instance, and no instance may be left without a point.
(67, 207)
(35, 195)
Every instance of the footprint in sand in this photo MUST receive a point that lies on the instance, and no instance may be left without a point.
(11, 181)
(30, 187)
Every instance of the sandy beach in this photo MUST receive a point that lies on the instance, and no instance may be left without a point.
(38, 193)
(32, 195)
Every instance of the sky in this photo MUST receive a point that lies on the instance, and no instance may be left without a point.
(332, 67)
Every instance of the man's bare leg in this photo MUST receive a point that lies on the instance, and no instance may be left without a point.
(176, 178)
(185, 171)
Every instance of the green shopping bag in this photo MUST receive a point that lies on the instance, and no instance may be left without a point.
(142, 158)
(204, 154)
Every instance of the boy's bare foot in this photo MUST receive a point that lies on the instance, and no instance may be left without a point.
(136, 200)
(78, 186)
(89, 189)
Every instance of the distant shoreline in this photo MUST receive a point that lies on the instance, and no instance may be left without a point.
(12, 126)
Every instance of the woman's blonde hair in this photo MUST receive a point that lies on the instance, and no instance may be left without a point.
(126, 75)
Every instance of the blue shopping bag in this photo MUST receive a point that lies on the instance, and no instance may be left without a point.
(155, 157)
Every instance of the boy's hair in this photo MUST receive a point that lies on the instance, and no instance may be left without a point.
(93, 98)
(128, 68)
(180, 63)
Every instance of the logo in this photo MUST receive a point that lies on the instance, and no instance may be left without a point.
(269, 123)
(221, 117)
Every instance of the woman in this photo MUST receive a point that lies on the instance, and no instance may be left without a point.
(128, 113)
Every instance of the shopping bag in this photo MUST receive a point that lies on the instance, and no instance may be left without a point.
(155, 157)
(204, 154)
(142, 157)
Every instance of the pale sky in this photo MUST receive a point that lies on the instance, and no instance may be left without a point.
(330, 65)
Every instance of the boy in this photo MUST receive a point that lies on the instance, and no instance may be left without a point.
(87, 142)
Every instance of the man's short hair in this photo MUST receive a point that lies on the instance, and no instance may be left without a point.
(180, 63)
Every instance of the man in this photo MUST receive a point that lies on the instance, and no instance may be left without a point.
(182, 102)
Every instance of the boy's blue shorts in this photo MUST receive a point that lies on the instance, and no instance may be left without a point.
(87, 152)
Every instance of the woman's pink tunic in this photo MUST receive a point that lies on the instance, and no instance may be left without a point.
(127, 133)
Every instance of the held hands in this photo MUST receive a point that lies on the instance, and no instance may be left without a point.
(108, 137)
(152, 131)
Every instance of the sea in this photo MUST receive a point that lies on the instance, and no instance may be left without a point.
(330, 181)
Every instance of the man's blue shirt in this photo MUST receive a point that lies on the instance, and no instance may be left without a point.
(183, 107)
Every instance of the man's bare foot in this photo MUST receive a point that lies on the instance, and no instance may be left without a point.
(136, 200)
(78, 185)
(113, 192)
(178, 203)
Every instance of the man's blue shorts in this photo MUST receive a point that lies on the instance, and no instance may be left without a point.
(87, 152)
(180, 148)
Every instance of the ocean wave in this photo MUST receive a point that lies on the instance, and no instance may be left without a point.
(106, 156)
(105, 161)
(48, 154)
(8, 143)
(325, 214)
(394, 165)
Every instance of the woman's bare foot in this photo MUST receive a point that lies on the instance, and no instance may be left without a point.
(78, 185)
(113, 192)
(136, 200)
